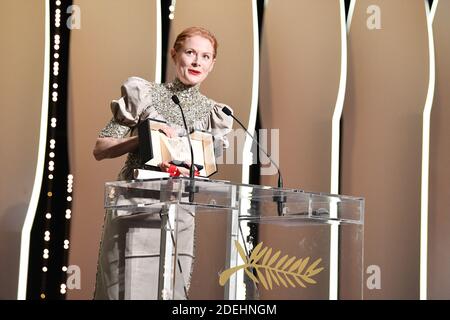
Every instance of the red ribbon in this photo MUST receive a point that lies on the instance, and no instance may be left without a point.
(175, 172)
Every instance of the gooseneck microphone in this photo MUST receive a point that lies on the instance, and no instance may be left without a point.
(191, 169)
(279, 198)
(229, 113)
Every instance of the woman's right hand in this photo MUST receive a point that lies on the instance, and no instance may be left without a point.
(164, 166)
(169, 131)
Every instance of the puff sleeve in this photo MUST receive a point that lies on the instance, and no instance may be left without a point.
(136, 96)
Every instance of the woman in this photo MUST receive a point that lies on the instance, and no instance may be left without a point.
(129, 254)
(194, 55)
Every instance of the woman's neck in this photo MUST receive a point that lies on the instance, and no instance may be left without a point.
(178, 85)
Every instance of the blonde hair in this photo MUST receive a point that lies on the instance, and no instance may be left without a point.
(195, 31)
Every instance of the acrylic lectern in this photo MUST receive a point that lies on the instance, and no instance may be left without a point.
(174, 238)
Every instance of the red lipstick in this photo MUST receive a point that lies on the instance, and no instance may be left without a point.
(194, 72)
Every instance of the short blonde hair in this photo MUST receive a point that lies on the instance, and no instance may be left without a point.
(195, 31)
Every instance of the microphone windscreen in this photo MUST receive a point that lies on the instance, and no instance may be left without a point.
(227, 111)
(175, 99)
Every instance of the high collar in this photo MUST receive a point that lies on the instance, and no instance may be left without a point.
(179, 86)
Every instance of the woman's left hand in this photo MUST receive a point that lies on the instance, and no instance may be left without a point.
(184, 171)
(169, 131)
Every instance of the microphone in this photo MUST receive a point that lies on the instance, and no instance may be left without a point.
(279, 198)
(191, 169)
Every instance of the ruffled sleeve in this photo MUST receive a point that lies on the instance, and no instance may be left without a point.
(136, 96)
(220, 125)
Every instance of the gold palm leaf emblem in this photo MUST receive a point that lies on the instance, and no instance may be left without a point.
(272, 269)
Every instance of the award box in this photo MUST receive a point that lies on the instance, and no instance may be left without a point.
(155, 147)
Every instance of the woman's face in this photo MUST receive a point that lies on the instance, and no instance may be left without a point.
(194, 60)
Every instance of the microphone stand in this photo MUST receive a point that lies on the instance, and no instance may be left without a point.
(279, 198)
(191, 187)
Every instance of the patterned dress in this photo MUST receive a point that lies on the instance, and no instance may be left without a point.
(142, 99)
(128, 263)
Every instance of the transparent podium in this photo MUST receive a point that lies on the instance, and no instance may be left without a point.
(217, 240)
